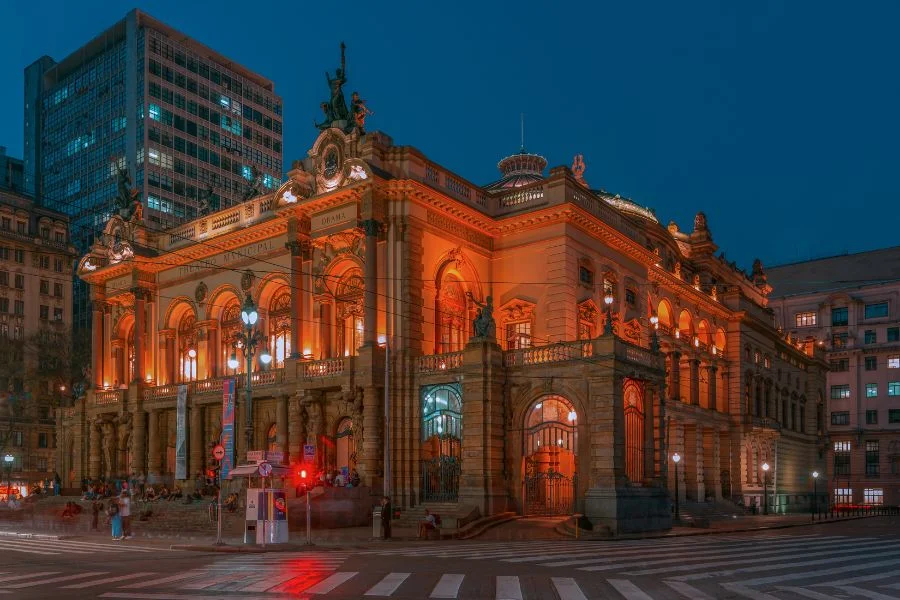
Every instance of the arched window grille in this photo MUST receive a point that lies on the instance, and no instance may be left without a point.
(230, 326)
(634, 431)
(187, 344)
(551, 421)
(350, 326)
(441, 411)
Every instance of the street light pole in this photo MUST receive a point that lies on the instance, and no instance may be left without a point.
(249, 339)
(8, 459)
(815, 504)
(676, 458)
(765, 468)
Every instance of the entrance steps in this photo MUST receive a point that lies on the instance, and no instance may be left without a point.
(411, 517)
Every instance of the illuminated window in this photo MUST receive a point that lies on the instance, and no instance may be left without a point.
(839, 340)
(871, 390)
(893, 362)
(894, 388)
(842, 458)
(843, 495)
(839, 392)
(805, 319)
(518, 335)
(630, 297)
(280, 328)
(230, 327)
(154, 112)
(873, 496)
(187, 342)
(451, 315)
(349, 301)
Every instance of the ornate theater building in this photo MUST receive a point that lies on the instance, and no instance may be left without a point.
(543, 347)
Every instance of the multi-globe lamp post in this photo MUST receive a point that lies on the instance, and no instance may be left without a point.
(8, 461)
(765, 468)
(676, 458)
(248, 340)
(608, 326)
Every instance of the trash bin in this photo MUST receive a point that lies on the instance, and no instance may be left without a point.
(376, 522)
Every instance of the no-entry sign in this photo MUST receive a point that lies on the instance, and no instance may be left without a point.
(219, 452)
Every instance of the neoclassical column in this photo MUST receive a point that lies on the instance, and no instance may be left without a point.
(196, 451)
(97, 341)
(168, 361)
(94, 452)
(139, 443)
(695, 381)
(711, 386)
(674, 384)
(370, 297)
(139, 322)
(153, 442)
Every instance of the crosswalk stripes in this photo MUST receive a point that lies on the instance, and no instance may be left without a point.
(331, 582)
(567, 589)
(106, 581)
(388, 585)
(447, 586)
(51, 547)
(508, 588)
(628, 590)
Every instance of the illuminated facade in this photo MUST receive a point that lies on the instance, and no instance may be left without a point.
(850, 306)
(550, 346)
(187, 123)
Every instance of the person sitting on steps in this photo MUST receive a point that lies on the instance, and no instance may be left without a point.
(427, 524)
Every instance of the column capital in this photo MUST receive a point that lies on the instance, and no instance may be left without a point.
(372, 227)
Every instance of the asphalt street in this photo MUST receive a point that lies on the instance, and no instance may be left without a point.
(855, 559)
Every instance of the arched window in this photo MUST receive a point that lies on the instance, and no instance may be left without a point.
(685, 325)
(442, 412)
(271, 437)
(634, 431)
(280, 328)
(451, 315)
(551, 421)
(229, 327)
(187, 345)
(349, 298)
(664, 312)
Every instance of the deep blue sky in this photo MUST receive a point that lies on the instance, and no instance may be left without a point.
(778, 119)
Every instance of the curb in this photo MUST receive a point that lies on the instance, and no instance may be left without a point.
(33, 536)
(562, 529)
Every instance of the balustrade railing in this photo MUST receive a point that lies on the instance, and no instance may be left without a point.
(323, 368)
(546, 354)
(208, 386)
(161, 391)
(435, 363)
(108, 397)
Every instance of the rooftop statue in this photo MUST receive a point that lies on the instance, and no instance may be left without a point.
(126, 196)
(204, 199)
(484, 324)
(335, 109)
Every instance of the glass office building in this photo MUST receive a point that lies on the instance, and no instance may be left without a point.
(186, 122)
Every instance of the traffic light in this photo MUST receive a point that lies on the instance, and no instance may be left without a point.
(303, 474)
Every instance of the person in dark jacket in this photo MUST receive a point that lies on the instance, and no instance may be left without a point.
(386, 510)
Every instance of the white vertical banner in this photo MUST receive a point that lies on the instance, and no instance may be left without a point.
(181, 434)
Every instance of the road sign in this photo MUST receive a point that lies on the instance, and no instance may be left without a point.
(219, 452)
(265, 469)
(309, 452)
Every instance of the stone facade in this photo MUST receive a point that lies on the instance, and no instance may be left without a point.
(372, 254)
(36, 259)
(850, 306)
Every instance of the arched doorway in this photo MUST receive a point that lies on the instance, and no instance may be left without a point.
(345, 448)
(551, 465)
(441, 439)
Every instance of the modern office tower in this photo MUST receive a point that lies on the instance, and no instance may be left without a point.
(189, 126)
(12, 172)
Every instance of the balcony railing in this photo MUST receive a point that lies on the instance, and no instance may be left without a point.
(208, 386)
(323, 368)
(547, 354)
(766, 423)
(161, 391)
(108, 397)
(436, 363)
(263, 378)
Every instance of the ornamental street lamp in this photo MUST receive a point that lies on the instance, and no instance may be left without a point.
(815, 504)
(765, 468)
(608, 326)
(248, 340)
(676, 458)
(654, 339)
(8, 461)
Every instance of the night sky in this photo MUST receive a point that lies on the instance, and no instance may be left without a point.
(777, 119)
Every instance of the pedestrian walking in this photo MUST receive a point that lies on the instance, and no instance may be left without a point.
(125, 512)
(386, 511)
(96, 508)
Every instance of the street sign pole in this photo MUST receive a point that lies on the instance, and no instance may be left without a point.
(308, 520)
(219, 454)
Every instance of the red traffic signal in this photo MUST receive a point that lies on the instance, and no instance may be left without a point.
(303, 474)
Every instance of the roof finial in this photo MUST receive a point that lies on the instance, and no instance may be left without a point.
(522, 119)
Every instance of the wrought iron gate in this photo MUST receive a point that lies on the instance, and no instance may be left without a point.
(440, 479)
(549, 493)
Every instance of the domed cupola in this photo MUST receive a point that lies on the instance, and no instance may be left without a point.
(518, 170)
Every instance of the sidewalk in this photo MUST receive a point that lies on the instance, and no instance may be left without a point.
(519, 529)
